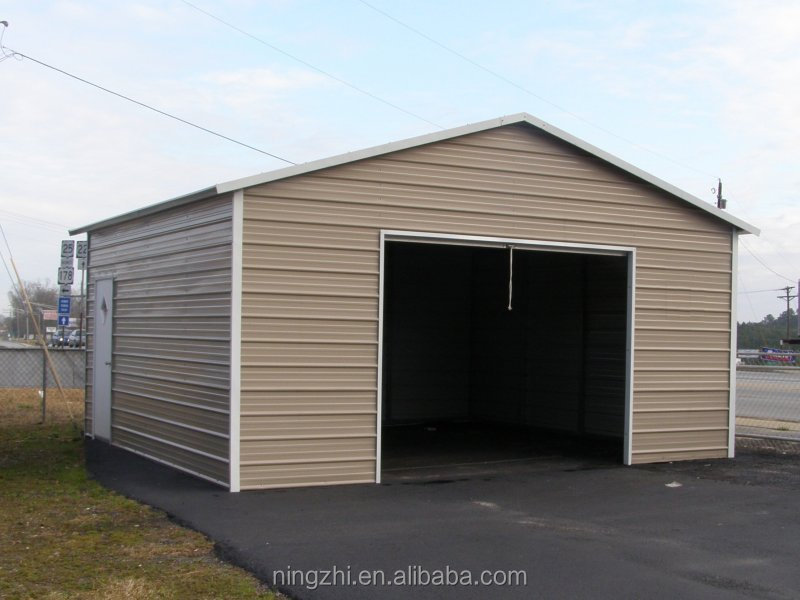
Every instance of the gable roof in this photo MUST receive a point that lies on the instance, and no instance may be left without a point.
(261, 178)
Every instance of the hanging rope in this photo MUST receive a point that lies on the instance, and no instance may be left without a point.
(510, 275)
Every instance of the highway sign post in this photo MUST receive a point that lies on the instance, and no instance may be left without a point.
(66, 277)
(82, 254)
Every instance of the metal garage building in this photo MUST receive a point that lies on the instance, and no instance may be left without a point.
(264, 332)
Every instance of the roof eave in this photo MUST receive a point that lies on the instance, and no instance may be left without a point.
(203, 194)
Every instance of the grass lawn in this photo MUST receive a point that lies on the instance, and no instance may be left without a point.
(64, 536)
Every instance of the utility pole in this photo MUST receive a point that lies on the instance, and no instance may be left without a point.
(788, 297)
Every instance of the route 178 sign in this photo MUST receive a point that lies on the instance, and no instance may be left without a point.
(66, 276)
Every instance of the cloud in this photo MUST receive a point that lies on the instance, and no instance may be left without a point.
(149, 14)
(253, 87)
(713, 85)
(732, 69)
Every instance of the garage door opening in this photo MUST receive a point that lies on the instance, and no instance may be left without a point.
(500, 353)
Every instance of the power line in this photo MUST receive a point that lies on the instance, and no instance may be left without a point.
(310, 66)
(749, 300)
(142, 104)
(22, 216)
(32, 224)
(5, 239)
(765, 265)
(27, 221)
(526, 90)
(760, 291)
(13, 285)
(3, 258)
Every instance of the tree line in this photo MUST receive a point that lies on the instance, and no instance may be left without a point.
(769, 331)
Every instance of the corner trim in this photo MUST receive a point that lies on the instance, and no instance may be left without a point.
(234, 453)
(629, 351)
(379, 396)
(734, 333)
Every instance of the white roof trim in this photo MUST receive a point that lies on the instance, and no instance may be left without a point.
(349, 157)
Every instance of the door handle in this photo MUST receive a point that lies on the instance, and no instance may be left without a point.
(108, 362)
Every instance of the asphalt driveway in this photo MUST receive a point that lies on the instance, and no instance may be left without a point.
(714, 529)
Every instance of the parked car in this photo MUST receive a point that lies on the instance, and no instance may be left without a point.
(59, 339)
(76, 339)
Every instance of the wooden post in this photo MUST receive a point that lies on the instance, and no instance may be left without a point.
(44, 387)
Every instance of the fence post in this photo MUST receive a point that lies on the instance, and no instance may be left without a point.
(44, 385)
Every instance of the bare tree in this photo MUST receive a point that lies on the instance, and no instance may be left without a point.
(43, 296)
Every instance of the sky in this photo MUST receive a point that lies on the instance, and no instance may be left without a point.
(688, 91)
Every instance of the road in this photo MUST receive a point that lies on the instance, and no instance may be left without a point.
(5, 344)
(768, 394)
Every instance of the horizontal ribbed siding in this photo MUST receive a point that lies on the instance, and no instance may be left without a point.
(310, 288)
(171, 349)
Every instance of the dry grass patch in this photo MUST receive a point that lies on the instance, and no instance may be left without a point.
(64, 536)
(23, 406)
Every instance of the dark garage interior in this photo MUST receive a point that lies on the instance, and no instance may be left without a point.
(466, 381)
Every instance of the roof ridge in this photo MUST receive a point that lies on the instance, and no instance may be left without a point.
(373, 151)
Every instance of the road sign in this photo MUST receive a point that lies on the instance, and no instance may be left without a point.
(65, 289)
(63, 320)
(66, 275)
(66, 261)
(81, 264)
(49, 315)
(82, 249)
(64, 303)
(67, 248)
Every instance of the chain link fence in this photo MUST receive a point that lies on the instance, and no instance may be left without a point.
(768, 394)
(28, 389)
(767, 388)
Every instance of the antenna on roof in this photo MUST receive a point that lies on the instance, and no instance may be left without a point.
(721, 202)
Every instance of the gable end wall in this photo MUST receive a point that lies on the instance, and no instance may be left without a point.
(311, 280)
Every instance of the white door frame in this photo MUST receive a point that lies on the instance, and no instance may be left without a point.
(101, 413)
(419, 237)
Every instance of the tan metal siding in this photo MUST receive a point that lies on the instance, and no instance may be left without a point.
(311, 280)
(172, 324)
